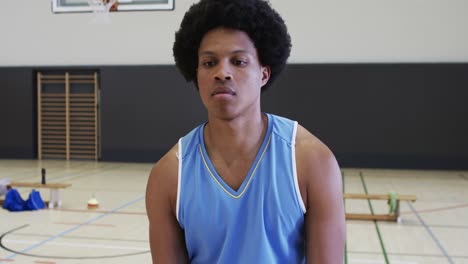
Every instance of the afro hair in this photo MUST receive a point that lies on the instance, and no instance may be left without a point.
(257, 18)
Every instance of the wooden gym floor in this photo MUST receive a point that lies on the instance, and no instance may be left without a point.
(433, 230)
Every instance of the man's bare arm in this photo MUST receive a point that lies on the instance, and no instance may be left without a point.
(323, 196)
(166, 237)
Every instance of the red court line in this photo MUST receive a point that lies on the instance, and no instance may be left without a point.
(438, 209)
(7, 260)
(44, 262)
(74, 224)
(99, 211)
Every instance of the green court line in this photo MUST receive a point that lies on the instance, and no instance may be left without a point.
(463, 176)
(344, 205)
(375, 221)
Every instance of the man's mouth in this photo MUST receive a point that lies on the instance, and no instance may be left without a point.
(223, 90)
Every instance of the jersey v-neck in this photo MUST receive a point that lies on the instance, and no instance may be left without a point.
(251, 173)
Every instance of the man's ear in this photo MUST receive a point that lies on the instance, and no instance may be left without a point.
(195, 81)
(266, 73)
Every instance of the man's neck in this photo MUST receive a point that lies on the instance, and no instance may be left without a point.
(235, 138)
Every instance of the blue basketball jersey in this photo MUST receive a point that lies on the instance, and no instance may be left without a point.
(261, 222)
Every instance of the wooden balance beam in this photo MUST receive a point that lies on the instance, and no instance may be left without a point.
(55, 200)
(378, 217)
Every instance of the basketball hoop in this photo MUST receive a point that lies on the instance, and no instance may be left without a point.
(101, 9)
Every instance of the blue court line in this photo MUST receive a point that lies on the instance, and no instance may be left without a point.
(77, 173)
(431, 234)
(81, 172)
(33, 175)
(76, 227)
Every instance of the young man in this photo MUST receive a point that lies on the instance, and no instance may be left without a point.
(247, 186)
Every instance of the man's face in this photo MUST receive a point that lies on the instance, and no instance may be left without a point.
(229, 74)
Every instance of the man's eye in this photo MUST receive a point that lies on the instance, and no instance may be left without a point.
(208, 63)
(240, 62)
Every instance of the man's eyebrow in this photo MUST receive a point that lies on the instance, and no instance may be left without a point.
(211, 53)
(239, 51)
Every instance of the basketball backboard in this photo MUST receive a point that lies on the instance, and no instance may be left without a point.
(73, 6)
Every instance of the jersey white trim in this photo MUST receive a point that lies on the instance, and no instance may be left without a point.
(293, 158)
(179, 177)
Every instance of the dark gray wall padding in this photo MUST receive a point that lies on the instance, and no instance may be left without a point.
(409, 115)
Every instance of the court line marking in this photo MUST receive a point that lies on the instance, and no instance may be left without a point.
(76, 227)
(86, 238)
(98, 211)
(35, 174)
(88, 171)
(75, 171)
(76, 223)
(464, 176)
(438, 209)
(434, 238)
(63, 257)
(422, 255)
(373, 261)
(77, 245)
(382, 245)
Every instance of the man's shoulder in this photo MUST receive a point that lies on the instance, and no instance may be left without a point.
(168, 164)
(305, 138)
(165, 169)
(310, 149)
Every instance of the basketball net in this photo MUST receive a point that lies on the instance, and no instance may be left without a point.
(101, 9)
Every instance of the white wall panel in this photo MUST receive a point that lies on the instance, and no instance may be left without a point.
(322, 31)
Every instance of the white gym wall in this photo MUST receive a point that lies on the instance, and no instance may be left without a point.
(322, 31)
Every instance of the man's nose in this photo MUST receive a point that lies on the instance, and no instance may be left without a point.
(223, 72)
